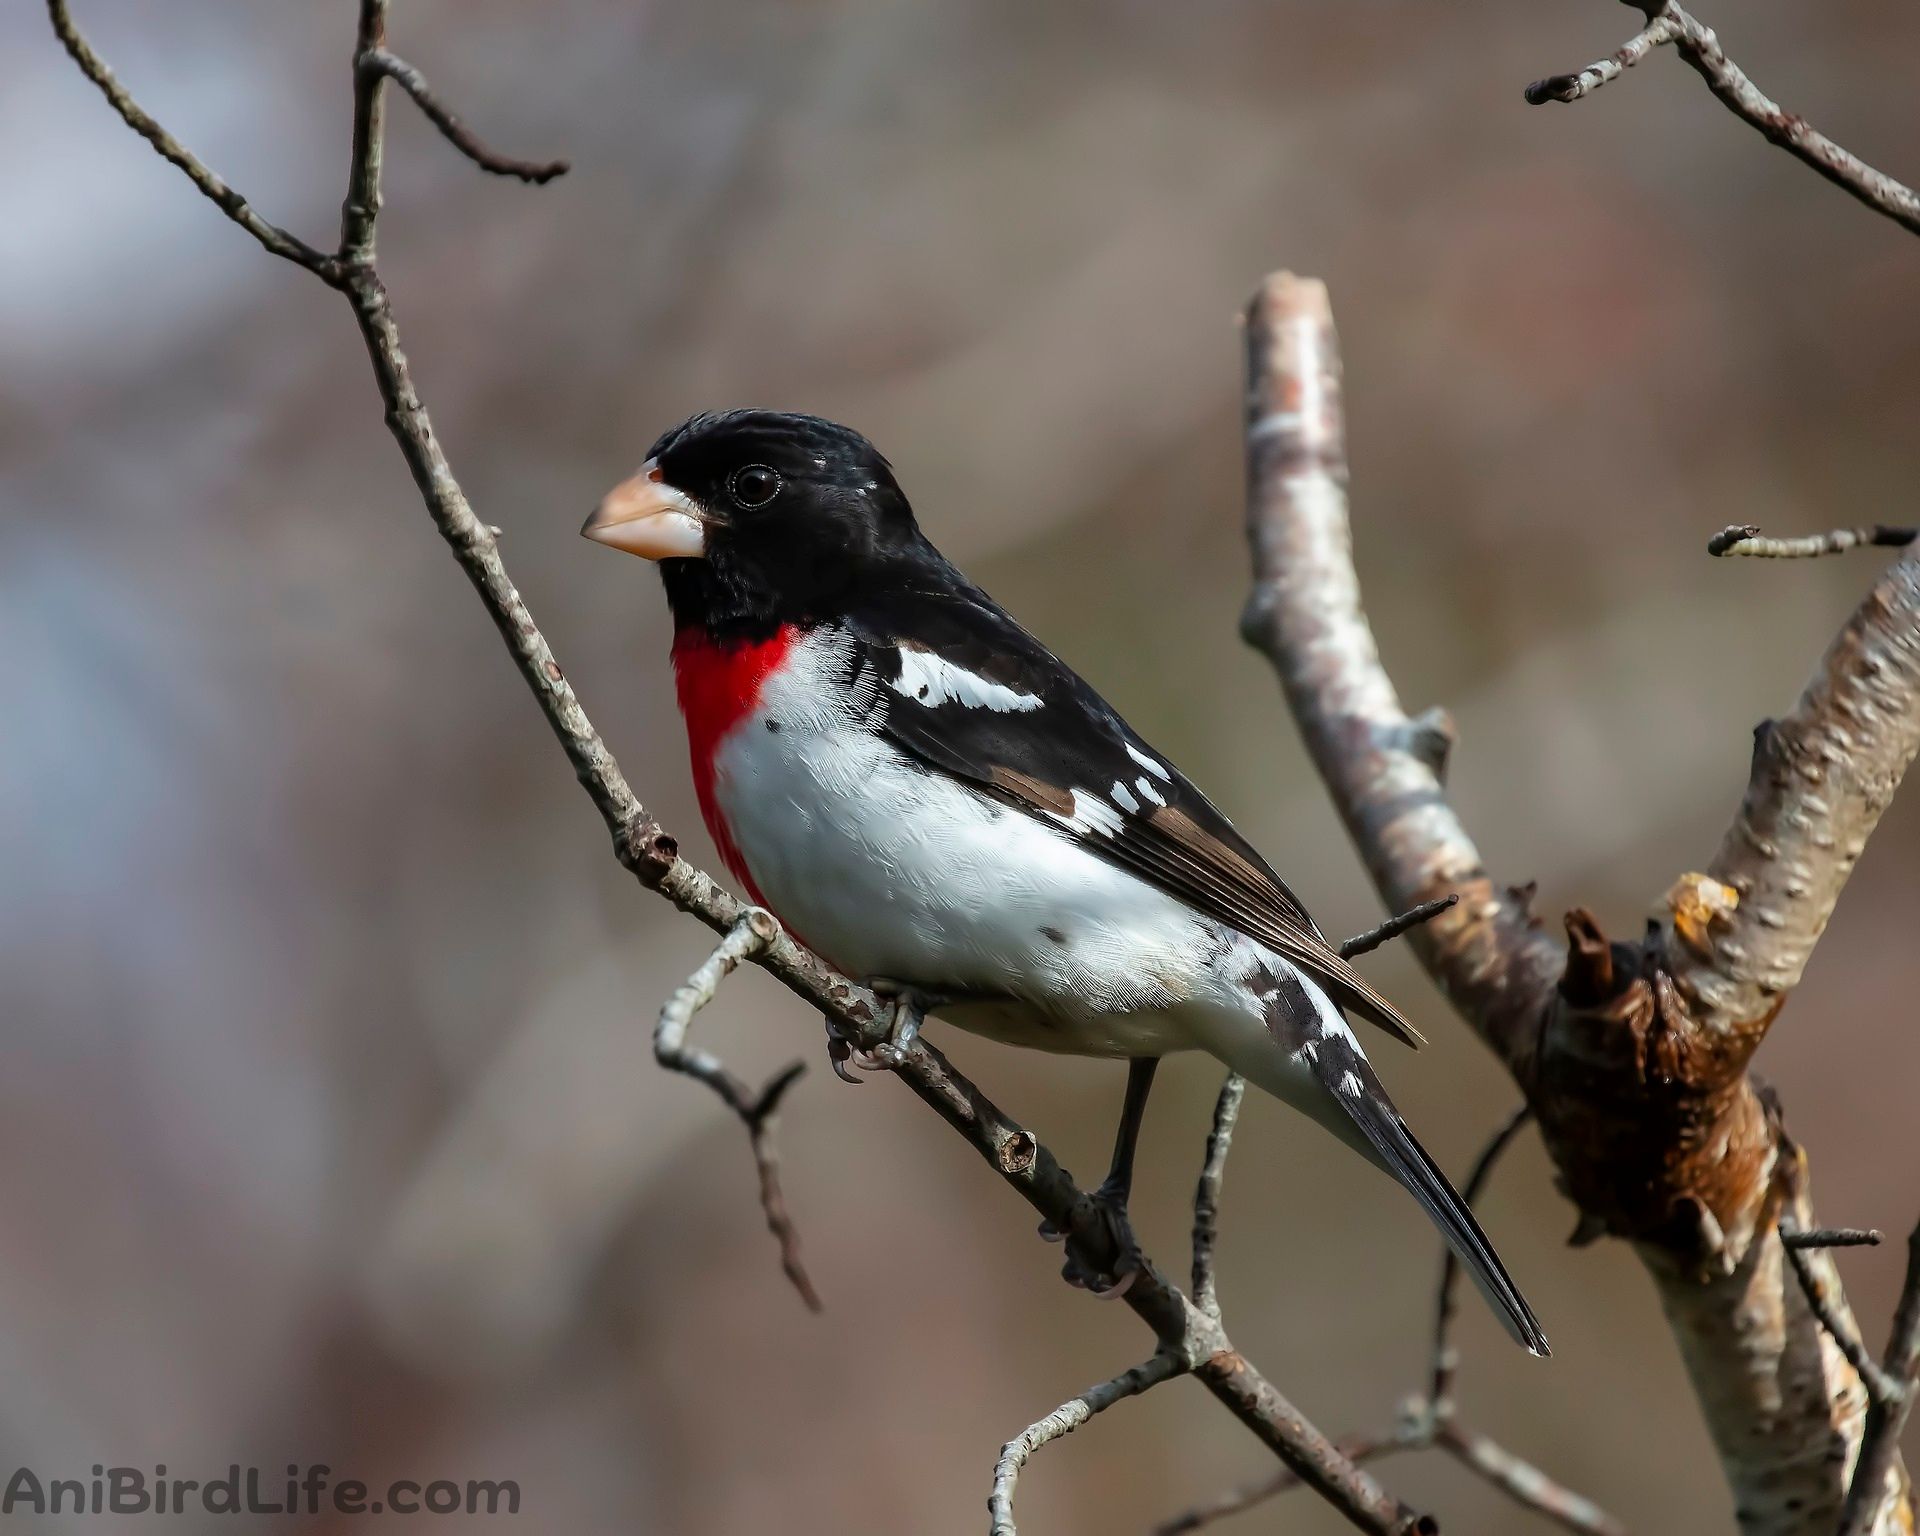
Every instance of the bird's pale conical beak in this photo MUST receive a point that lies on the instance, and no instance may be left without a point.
(645, 516)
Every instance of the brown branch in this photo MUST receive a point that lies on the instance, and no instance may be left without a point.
(1206, 1198)
(758, 1110)
(1633, 1059)
(1064, 1420)
(1427, 1420)
(1744, 539)
(378, 61)
(1359, 1449)
(1833, 1237)
(1523, 1482)
(275, 239)
(652, 855)
(1696, 43)
(1393, 927)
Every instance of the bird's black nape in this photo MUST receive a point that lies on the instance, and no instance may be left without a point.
(798, 512)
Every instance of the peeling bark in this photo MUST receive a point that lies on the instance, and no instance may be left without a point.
(1633, 1058)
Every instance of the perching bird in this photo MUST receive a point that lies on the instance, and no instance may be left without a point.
(929, 798)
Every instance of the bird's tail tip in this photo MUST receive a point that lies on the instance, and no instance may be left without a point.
(1403, 1156)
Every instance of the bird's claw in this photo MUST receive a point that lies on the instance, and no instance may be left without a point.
(839, 1052)
(1110, 1212)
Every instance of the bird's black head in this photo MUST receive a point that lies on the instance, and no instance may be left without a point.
(759, 519)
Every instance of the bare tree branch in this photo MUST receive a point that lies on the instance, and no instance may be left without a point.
(1744, 539)
(1186, 1333)
(1833, 1237)
(380, 62)
(1427, 1421)
(758, 1110)
(1064, 1420)
(1821, 777)
(1206, 1198)
(1393, 927)
(1633, 1058)
(1359, 1449)
(231, 203)
(1523, 1482)
(1878, 1485)
(1668, 23)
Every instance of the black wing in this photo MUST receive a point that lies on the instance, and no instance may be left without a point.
(961, 686)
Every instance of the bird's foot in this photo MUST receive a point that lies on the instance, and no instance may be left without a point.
(1109, 1217)
(910, 1009)
(840, 1051)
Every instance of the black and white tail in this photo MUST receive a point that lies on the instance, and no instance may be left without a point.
(1308, 1056)
(1401, 1155)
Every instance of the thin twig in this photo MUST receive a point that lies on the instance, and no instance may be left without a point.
(275, 239)
(748, 937)
(1874, 1480)
(1064, 1420)
(1833, 1237)
(379, 61)
(1523, 1482)
(1425, 1420)
(1744, 539)
(1359, 1449)
(1206, 1198)
(1393, 927)
(1696, 43)
(1881, 1387)
(1585, 82)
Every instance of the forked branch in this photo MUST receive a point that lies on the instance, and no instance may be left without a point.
(1429, 1419)
(1669, 24)
(758, 1110)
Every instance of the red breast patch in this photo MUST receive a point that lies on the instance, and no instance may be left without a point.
(719, 687)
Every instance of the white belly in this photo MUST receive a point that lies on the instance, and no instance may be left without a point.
(894, 871)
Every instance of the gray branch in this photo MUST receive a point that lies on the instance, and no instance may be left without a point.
(1064, 1420)
(378, 61)
(1744, 539)
(1696, 43)
(758, 1109)
(1426, 1420)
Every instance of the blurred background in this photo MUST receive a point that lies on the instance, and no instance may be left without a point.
(331, 1130)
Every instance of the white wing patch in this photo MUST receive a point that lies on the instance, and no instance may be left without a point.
(1123, 797)
(1145, 786)
(932, 680)
(1156, 769)
(1090, 814)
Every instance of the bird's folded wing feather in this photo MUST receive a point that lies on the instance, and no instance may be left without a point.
(955, 682)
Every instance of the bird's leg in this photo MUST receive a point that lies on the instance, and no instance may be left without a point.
(910, 1009)
(1110, 1199)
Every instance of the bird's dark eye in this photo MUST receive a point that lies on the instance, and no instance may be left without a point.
(754, 486)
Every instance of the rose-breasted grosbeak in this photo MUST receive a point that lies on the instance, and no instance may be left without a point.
(932, 800)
